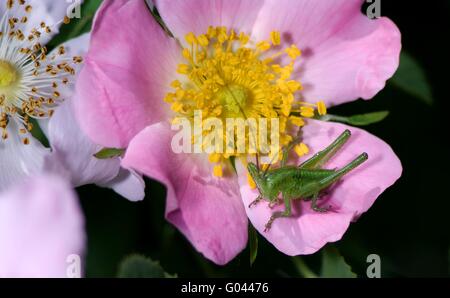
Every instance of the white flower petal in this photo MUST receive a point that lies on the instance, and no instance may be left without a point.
(129, 185)
(17, 161)
(52, 12)
(71, 147)
(76, 152)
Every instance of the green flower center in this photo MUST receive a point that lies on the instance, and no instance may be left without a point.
(233, 99)
(8, 74)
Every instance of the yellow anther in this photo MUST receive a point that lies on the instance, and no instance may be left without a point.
(294, 86)
(183, 69)
(263, 46)
(169, 97)
(286, 72)
(250, 181)
(214, 158)
(275, 36)
(177, 106)
(244, 38)
(307, 112)
(321, 108)
(232, 35)
(190, 38)
(277, 68)
(222, 37)
(218, 171)
(293, 52)
(187, 54)
(301, 149)
(212, 32)
(297, 121)
(203, 40)
(175, 84)
(180, 93)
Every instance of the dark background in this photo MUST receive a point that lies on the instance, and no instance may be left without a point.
(408, 226)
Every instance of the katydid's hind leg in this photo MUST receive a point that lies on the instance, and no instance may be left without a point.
(255, 202)
(319, 159)
(333, 178)
(286, 213)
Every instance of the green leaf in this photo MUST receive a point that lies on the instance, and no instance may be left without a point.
(334, 265)
(357, 120)
(107, 153)
(253, 243)
(411, 78)
(302, 268)
(137, 266)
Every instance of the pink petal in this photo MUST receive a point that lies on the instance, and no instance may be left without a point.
(184, 16)
(307, 231)
(41, 226)
(207, 210)
(127, 73)
(345, 54)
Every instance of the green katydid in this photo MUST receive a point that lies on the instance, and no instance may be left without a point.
(304, 182)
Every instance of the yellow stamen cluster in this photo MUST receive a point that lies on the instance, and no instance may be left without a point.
(29, 77)
(226, 75)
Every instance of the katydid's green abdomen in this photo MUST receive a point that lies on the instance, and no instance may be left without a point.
(292, 179)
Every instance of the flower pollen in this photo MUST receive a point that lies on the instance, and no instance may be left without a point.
(227, 75)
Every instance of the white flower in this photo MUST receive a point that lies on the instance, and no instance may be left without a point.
(40, 85)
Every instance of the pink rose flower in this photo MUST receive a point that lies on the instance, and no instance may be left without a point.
(41, 229)
(136, 79)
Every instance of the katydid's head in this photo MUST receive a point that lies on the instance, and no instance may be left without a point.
(258, 177)
(253, 170)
